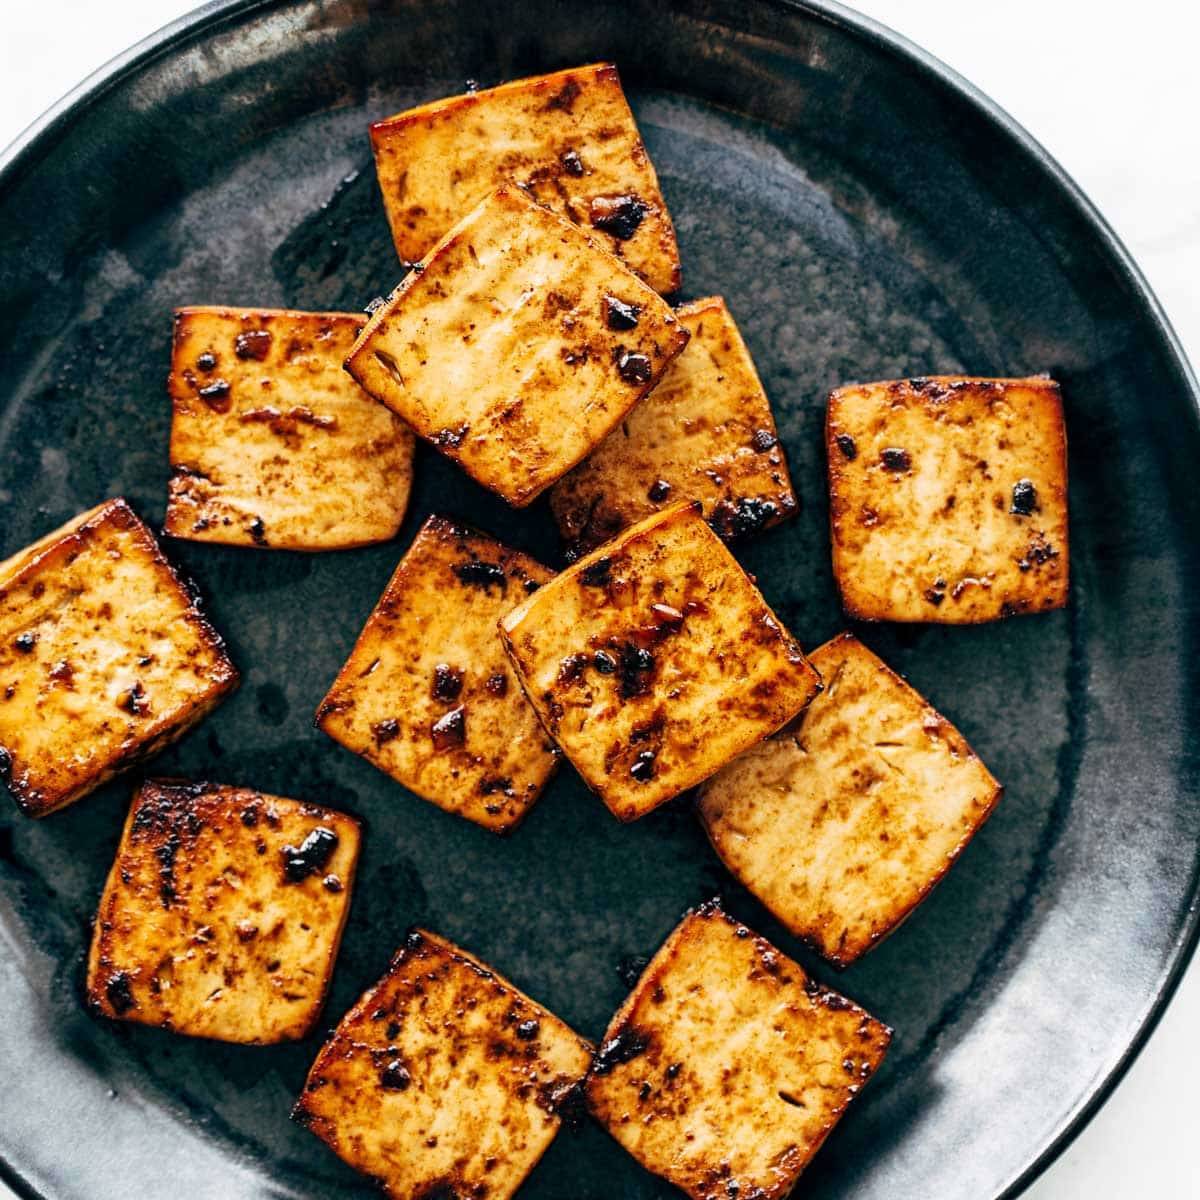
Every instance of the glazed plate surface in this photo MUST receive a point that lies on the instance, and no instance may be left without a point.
(866, 216)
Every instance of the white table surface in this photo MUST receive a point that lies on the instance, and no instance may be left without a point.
(1114, 94)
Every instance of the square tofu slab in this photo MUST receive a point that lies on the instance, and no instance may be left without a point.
(104, 658)
(727, 1067)
(948, 498)
(842, 825)
(511, 350)
(444, 1079)
(272, 443)
(654, 661)
(705, 433)
(223, 912)
(568, 137)
(428, 695)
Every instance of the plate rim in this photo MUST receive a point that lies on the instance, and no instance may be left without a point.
(22, 154)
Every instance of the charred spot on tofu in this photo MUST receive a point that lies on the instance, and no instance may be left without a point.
(568, 138)
(446, 1056)
(200, 930)
(845, 822)
(501, 352)
(105, 657)
(726, 1067)
(655, 660)
(939, 487)
(706, 432)
(284, 450)
(425, 694)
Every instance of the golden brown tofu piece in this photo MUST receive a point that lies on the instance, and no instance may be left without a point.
(843, 824)
(568, 137)
(272, 443)
(444, 1079)
(223, 912)
(705, 433)
(654, 661)
(104, 658)
(503, 349)
(428, 695)
(727, 1067)
(948, 498)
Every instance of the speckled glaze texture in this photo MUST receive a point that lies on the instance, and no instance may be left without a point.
(865, 220)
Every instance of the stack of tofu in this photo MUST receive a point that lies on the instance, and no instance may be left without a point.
(529, 341)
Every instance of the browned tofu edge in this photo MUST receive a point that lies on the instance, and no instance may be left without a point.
(94, 995)
(160, 732)
(1042, 382)
(842, 961)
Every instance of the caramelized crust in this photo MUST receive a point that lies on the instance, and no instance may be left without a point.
(727, 1067)
(272, 444)
(428, 695)
(654, 661)
(705, 433)
(444, 1079)
(104, 658)
(223, 912)
(500, 350)
(948, 498)
(844, 823)
(568, 138)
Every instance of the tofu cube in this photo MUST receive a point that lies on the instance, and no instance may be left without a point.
(705, 433)
(503, 351)
(727, 1067)
(104, 658)
(948, 498)
(272, 444)
(223, 913)
(842, 825)
(568, 137)
(428, 694)
(655, 660)
(444, 1079)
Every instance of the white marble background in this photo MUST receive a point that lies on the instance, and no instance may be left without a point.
(1114, 93)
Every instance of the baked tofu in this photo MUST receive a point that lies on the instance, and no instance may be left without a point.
(654, 660)
(948, 498)
(223, 913)
(428, 695)
(705, 433)
(272, 443)
(444, 1079)
(104, 658)
(516, 345)
(844, 824)
(727, 1067)
(569, 138)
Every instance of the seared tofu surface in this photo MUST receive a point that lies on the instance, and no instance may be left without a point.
(704, 433)
(273, 445)
(655, 660)
(727, 1066)
(428, 695)
(948, 498)
(444, 1079)
(568, 138)
(516, 346)
(223, 912)
(104, 658)
(842, 824)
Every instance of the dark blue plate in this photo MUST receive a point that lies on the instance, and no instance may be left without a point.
(867, 215)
